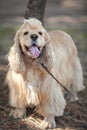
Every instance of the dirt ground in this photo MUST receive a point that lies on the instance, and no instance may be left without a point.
(56, 15)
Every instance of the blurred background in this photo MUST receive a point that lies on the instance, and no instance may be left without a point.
(67, 15)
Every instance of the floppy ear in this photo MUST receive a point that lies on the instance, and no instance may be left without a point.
(47, 37)
(46, 55)
(15, 56)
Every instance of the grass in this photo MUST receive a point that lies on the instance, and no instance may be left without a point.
(6, 37)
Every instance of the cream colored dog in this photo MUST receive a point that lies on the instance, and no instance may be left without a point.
(29, 84)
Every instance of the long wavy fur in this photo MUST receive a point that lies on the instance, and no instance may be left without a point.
(30, 85)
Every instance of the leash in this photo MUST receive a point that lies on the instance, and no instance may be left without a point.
(55, 78)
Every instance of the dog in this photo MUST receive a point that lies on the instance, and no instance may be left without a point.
(30, 84)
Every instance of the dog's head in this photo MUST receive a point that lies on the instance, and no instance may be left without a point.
(32, 37)
(30, 40)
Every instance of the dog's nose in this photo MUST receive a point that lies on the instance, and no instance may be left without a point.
(34, 37)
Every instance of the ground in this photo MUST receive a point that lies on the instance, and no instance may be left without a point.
(70, 16)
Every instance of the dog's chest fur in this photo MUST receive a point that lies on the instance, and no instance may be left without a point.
(33, 83)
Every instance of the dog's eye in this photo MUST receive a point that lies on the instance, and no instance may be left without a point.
(25, 33)
(40, 33)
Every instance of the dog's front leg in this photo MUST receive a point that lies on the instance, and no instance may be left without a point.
(53, 104)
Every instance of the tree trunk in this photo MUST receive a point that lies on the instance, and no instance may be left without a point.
(36, 8)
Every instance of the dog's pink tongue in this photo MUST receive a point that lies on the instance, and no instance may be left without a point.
(35, 51)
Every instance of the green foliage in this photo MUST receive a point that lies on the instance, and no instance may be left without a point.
(6, 37)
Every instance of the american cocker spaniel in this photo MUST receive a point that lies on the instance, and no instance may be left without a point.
(30, 84)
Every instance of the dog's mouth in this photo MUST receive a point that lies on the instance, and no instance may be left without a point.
(34, 50)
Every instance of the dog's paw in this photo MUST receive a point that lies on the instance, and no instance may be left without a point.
(48, 124)
(17, 113)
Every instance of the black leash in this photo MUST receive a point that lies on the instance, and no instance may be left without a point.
(55, 78)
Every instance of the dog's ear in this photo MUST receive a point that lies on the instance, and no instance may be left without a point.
(47, 37)
(15, 57)
(46, 55)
